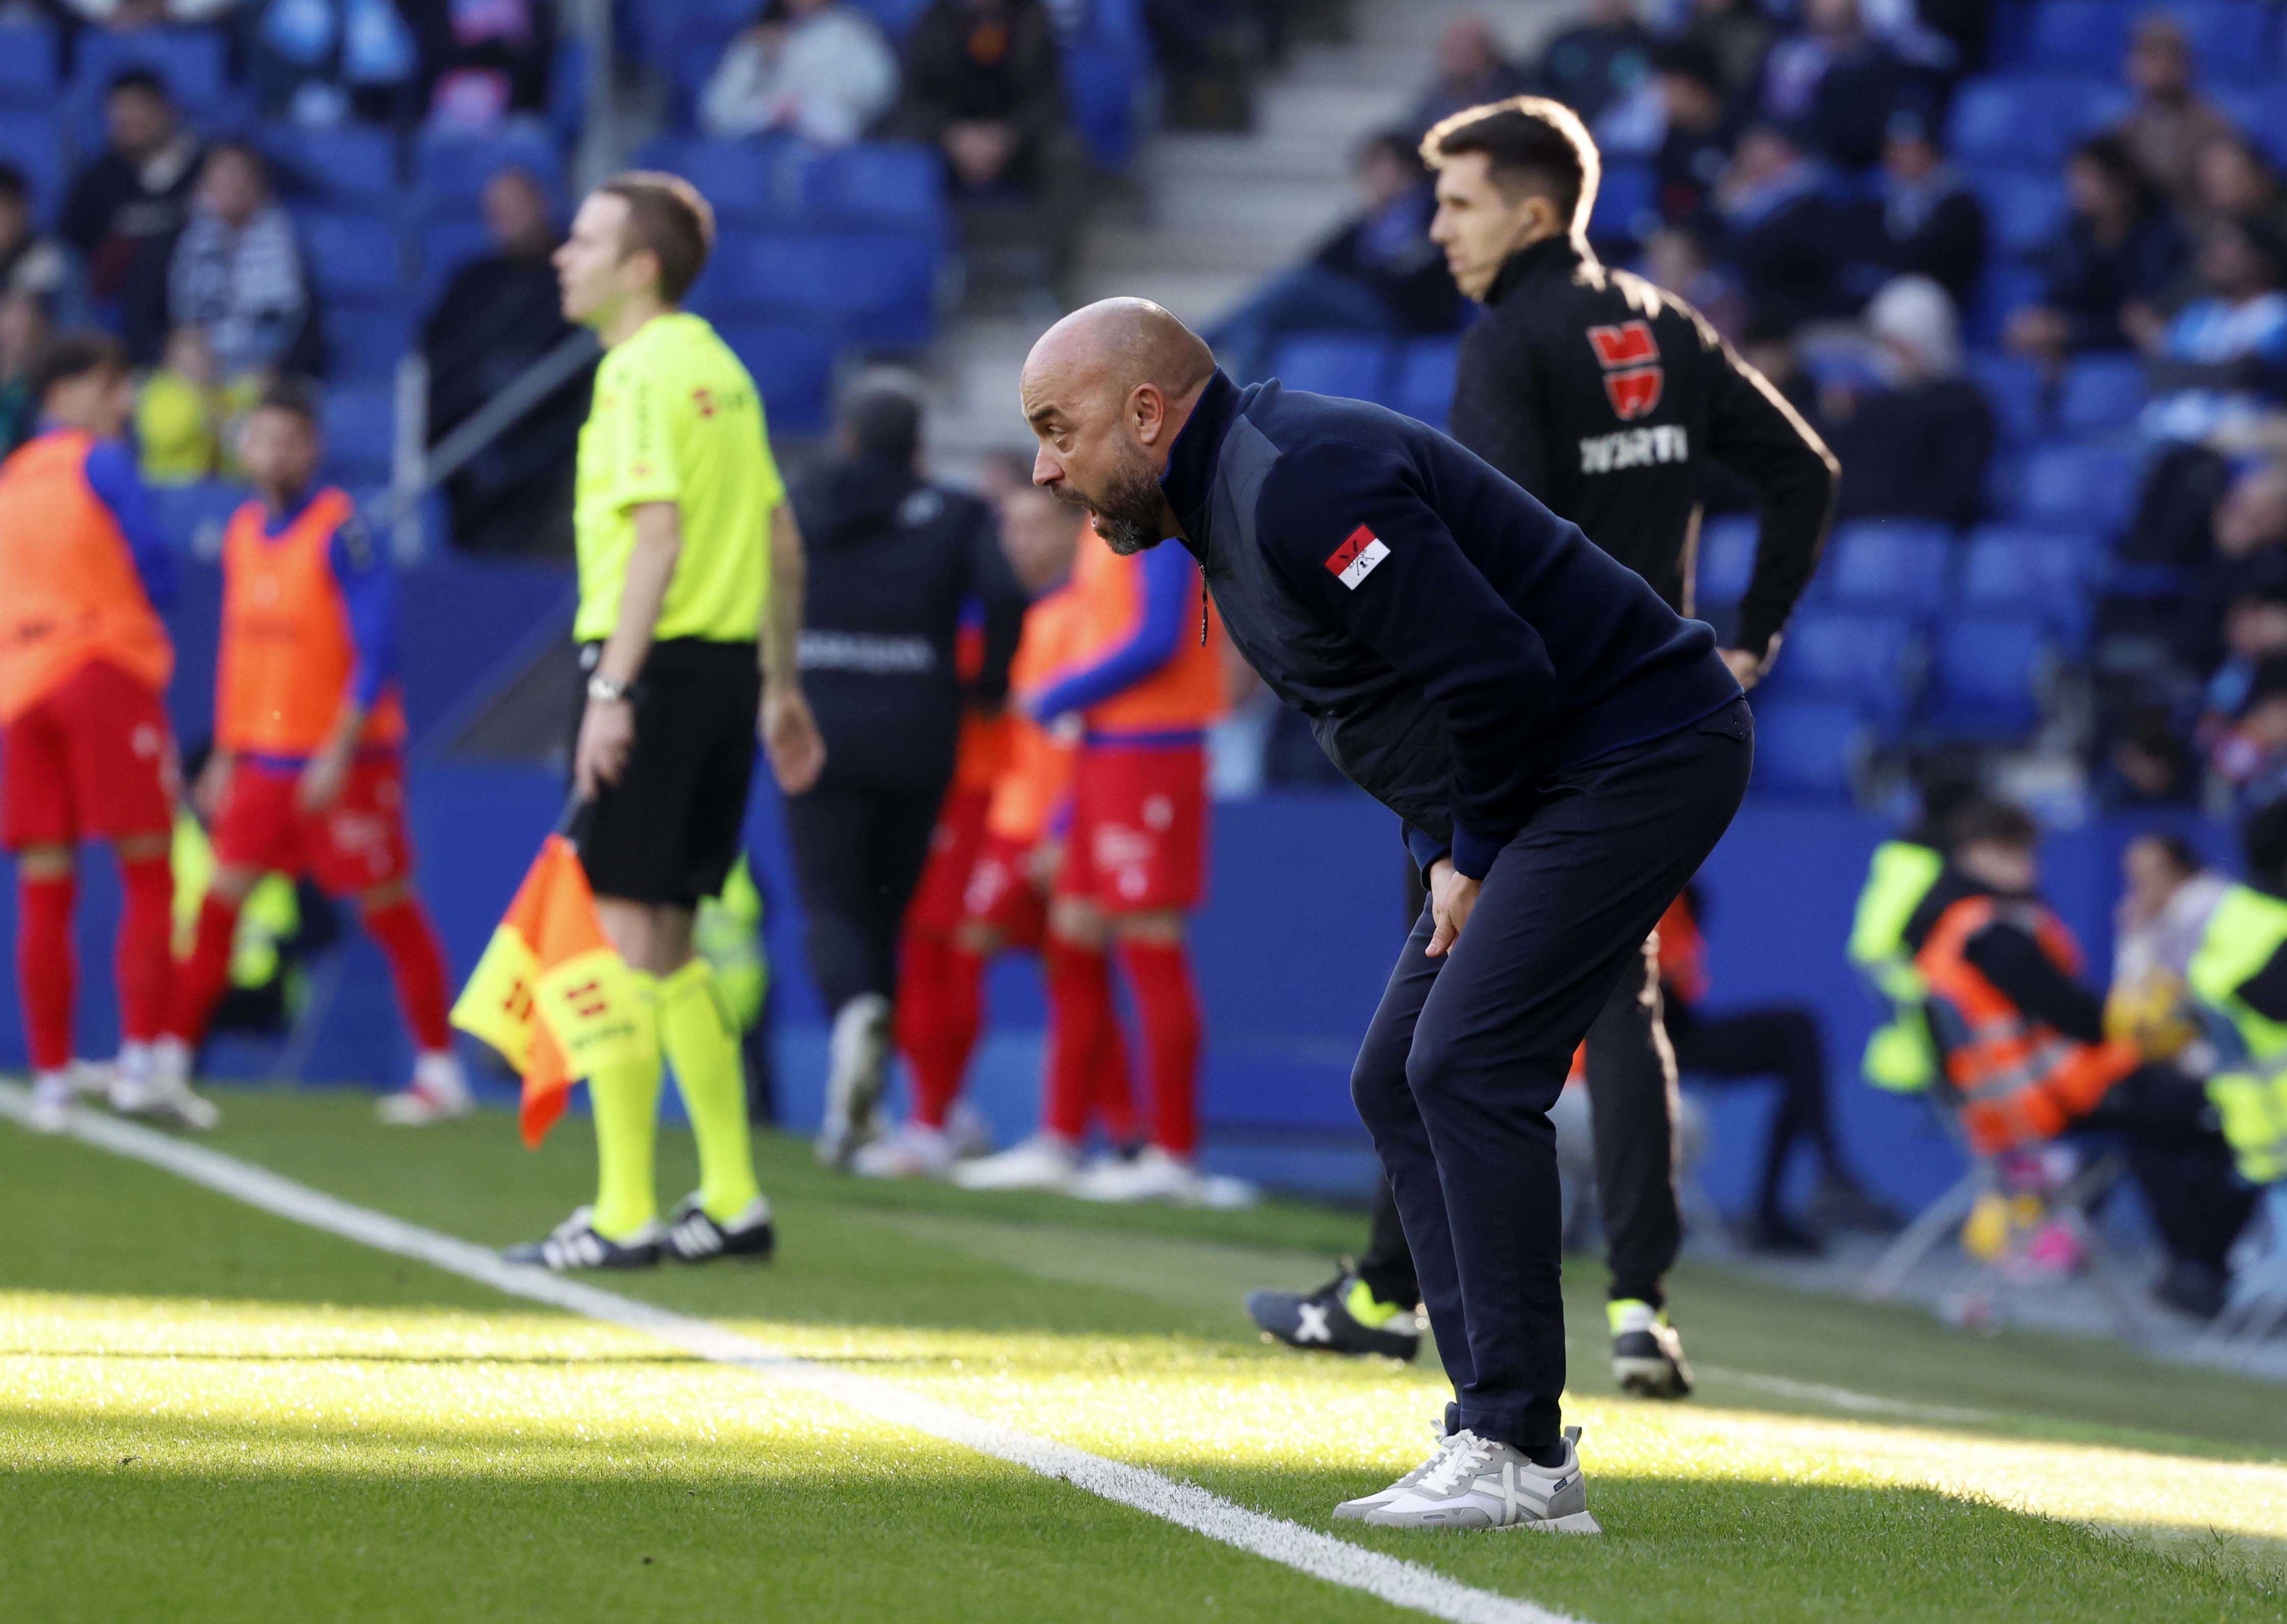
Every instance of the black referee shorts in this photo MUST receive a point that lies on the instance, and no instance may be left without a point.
(669, 831)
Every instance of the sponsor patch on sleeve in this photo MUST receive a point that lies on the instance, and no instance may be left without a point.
(1354, 560)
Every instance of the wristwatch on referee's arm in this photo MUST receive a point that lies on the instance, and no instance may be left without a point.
(606, 690)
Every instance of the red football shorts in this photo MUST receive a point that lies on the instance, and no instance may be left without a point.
(1002, 895)
(354, 845)
(1139, 827)
(91, 760)
(936, 908)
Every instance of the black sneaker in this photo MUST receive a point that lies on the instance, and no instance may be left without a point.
(1845, 1203)
(574, 1244)
(1647, 1354)
(694, 1238)
(2196, 1290)
(1774, 1234)
(1327, 1320)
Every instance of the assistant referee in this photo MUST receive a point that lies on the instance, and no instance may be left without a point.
(690, 573)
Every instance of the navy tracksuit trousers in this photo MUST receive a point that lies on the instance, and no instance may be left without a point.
(1467, 1054)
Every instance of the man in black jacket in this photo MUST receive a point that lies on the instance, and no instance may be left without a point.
(1564, 749)
(893, 562)
(1605, 397)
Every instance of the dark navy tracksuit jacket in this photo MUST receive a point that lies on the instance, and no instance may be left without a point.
(1526, 704)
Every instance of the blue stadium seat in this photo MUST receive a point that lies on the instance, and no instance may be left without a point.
(1986, 675)
(451, 169)
(352, 257)
(794, 368)
(1809, 750)
(1727, 559)
(353, 167)
(445, 246)
(360, 423)
(1869, 662)
(1422, 381)
(192, 61)
(896, 17)
(28, 62)
(749, 182)
(2044, 574)
(2081, 487)
(1625, 202)
(29, 140)
(1351, 364)
(365, 345)
(2227, 38)
(2017, 390)
(874, 288)
(2024, 208)
(876, 186)
(2001, 289)
(1898, 565)
(2100, 392)
(2006, 120)
(1100, 88)
(2077, 36)
(2080, 107)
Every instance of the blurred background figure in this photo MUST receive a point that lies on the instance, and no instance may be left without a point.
(138, 190)
(236, 271)
(819, 68)
(1913, 434)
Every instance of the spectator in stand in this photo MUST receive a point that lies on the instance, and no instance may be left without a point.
(1379, 273)
(499, 314)
(1695, 143)
(2222, 361)
(182, 414)
(1739, 34)
(1915, 441)
(2250, 758)
(1599, 62)
(2120, 252)
(981, 83)
(2171, 121)
(2247, 558)
(138, 191)
(1836, 84)
(1931, 225)
(1677, 258)
(1783, 236)
(236, 271)
(819, 68)
(2254, 631)
(319, 62)
(1471, 71)
(29, 262)
(2230, 178)
(490, 60)
(25, 324)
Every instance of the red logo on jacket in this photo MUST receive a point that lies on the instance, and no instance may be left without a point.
(1633, 377)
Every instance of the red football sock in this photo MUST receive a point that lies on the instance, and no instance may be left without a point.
(1113, 1097)
(44, 967)
(200, 978)
(1080, 1023)
(1168, 1006)
(143, 958)
(939, 1013)
(416, 965)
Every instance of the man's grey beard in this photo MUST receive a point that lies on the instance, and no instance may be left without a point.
(1128, 516)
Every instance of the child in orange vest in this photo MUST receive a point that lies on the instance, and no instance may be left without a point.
(85, 752)
(308, 773)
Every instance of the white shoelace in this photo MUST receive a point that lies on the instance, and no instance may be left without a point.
(1466, 1453)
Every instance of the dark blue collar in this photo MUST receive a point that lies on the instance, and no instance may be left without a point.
(1192, 461)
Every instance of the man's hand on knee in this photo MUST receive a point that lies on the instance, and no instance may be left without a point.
(1452, 894)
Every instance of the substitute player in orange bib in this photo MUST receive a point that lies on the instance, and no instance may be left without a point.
(308, 772)
(85, 752)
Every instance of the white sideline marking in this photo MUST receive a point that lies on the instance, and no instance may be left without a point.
(1844, 1399)
(1320, 1556)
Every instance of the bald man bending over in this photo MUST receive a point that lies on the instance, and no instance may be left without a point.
(1564, 750)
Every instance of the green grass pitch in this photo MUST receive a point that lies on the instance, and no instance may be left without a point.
(209, 1412)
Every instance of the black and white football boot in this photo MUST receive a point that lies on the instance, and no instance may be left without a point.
(1342, 1316)
(1647, 1354)
(694, 1238)
(574, 1244)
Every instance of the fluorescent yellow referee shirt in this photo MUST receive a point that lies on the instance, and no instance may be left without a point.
(675, 418)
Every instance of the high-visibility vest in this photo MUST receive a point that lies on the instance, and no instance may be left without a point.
(69, 594)
(1900, 1057)
(1037, 775)
(2249, 1090)
(284, 673)
(1184, 695)
(2018, 1080)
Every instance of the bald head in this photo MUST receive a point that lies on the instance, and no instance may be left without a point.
(1106, 391)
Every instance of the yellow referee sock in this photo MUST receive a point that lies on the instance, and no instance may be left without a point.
(625, 1100)
(703, 1046)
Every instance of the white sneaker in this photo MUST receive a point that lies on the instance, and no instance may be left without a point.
(1155, 1176)
(1042, 1162)
(54, 1100)
(92, 1078)
(1480, 1484)
(1355, 1510)
(967, 1131)
(857, 1069)
(159, 1087)
(912, 1152)
(438, 1093)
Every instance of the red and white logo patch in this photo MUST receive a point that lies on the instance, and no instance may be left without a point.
(1630, 357)
(1354, 560)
